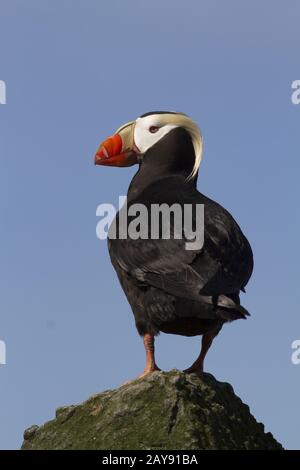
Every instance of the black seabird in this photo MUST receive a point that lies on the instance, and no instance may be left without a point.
(170, 288)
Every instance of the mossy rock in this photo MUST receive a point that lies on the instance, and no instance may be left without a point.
(163, 411)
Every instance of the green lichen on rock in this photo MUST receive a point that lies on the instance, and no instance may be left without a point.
(163, 411)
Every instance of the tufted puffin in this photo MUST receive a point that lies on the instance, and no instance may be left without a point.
(172, 288)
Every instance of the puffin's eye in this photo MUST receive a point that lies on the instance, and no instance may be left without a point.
(153, 129)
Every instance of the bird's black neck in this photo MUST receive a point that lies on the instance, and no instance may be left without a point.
(173, 155)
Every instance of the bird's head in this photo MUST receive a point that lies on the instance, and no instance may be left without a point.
(167, 130)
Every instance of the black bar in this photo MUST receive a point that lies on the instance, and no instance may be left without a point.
(136, 459)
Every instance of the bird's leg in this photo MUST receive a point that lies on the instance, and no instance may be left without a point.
(151, 366)
(197, 366)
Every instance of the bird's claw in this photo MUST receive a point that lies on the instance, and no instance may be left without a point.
(194, 370)
(148, 371)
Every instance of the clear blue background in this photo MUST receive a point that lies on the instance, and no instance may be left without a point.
(75, 71)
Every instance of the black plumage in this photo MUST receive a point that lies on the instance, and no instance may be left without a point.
(172, 289)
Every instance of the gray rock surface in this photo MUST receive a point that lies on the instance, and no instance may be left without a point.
(164, 411)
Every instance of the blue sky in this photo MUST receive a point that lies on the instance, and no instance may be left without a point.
(74, 72)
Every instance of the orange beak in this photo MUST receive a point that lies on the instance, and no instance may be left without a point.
(118, 150)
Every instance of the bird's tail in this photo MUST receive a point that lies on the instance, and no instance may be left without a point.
(230, 310)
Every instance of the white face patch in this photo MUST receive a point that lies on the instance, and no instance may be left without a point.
(150, 129)
(143, 137)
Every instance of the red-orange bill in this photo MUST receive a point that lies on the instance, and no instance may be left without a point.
(110, 153)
